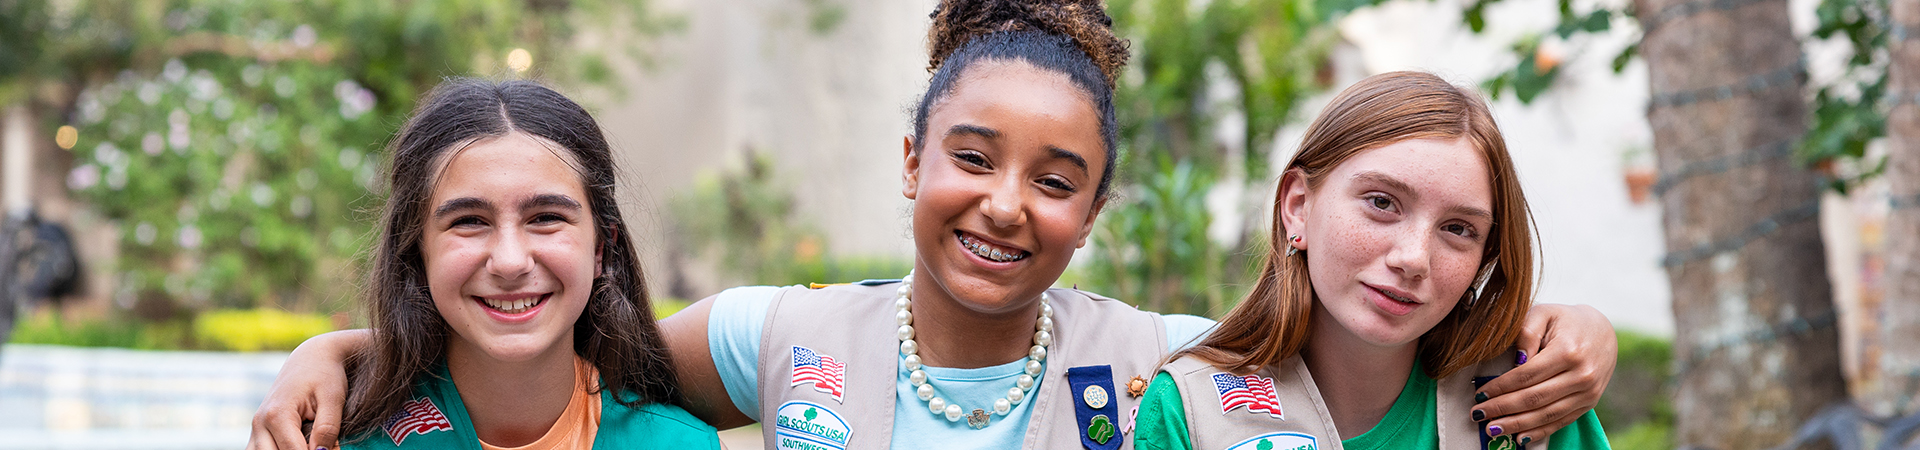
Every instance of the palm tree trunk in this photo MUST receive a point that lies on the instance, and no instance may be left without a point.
(1900, 326)
(1755, 347)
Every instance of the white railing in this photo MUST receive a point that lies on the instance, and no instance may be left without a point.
(97, 398)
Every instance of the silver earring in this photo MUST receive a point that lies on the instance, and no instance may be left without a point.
(1292, 240)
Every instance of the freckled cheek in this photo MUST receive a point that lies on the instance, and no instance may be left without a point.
(1354, 239)
(1456, 272)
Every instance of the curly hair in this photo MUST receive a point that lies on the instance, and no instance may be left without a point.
(1072, 37)
(955, 22)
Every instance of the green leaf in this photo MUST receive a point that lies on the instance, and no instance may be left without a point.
(811, 414)
(1476, 15)
(1626, 56)
(1597, 21)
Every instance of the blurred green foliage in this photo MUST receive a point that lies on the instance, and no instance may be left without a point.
(48, 328)
(237, 143)
(1848, 111)
(664, 306)
(746, 220)
(1637, 409)
(1210, 86)
(228, 329)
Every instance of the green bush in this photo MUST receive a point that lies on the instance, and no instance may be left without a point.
(664, 306)
(747, 219)
(1644, 435)
(1637, 409)
(251, 330)
(47, 328)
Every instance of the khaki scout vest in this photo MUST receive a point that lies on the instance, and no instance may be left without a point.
(1306, 424)
(855, 325)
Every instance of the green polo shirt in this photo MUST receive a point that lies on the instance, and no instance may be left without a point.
(1410, 424)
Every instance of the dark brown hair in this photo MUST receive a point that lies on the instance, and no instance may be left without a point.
(1274, 321)
(1072, 37)
(616, 333)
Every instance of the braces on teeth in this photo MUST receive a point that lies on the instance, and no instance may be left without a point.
(984, 251)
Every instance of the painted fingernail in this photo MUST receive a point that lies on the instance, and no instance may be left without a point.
(1525, 439)
(1520, 360)
(1480, 397)
(1494, 430)
(1478, 416)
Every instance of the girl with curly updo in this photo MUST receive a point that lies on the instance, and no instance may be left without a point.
(1010, 161)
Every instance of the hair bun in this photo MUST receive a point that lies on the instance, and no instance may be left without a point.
(956, 22)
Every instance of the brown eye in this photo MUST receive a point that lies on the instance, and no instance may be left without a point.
(1381, 202)
(971, 158)
(1057, 184)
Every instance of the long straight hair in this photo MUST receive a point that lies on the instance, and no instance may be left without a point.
(1274, 321)
(616, 333)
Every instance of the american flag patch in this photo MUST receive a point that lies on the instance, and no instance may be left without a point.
(821, 370)
(1253, 391)
(417, 416)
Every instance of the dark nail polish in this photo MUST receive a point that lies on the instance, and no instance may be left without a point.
(1525, 439)
(1494, 430)
(1478, 416)
(1480, 397)
(1520, 360)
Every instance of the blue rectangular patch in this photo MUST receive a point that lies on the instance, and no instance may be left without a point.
(1095, 407)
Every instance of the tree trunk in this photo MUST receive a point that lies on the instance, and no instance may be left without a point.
(1756, 350)
(1900, 324)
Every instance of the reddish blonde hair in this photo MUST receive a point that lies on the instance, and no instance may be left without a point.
(1274, 321)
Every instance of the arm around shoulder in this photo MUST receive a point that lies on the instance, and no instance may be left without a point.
(312, 385)
(705, 394)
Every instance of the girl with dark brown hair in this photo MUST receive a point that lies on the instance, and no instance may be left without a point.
(508, 307)
(1401, 270)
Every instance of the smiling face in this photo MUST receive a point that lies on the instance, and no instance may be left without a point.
(1394, 237)
(1004, 186)
(508, 245)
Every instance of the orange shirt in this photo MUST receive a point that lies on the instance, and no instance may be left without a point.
(578, 424)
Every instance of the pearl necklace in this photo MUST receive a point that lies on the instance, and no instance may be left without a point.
(978, 419)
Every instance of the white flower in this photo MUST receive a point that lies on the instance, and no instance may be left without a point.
(83, 177)
(262, 195)
(189, 237)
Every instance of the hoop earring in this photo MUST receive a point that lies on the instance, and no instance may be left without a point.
(1292, 240)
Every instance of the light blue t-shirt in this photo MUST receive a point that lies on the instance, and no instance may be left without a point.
(733, 335)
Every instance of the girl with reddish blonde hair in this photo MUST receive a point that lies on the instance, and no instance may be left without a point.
(1401, 270)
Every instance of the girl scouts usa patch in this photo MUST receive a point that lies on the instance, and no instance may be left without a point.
(1278, 441)
(820, 370)
(417, 416)
(802, 425)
